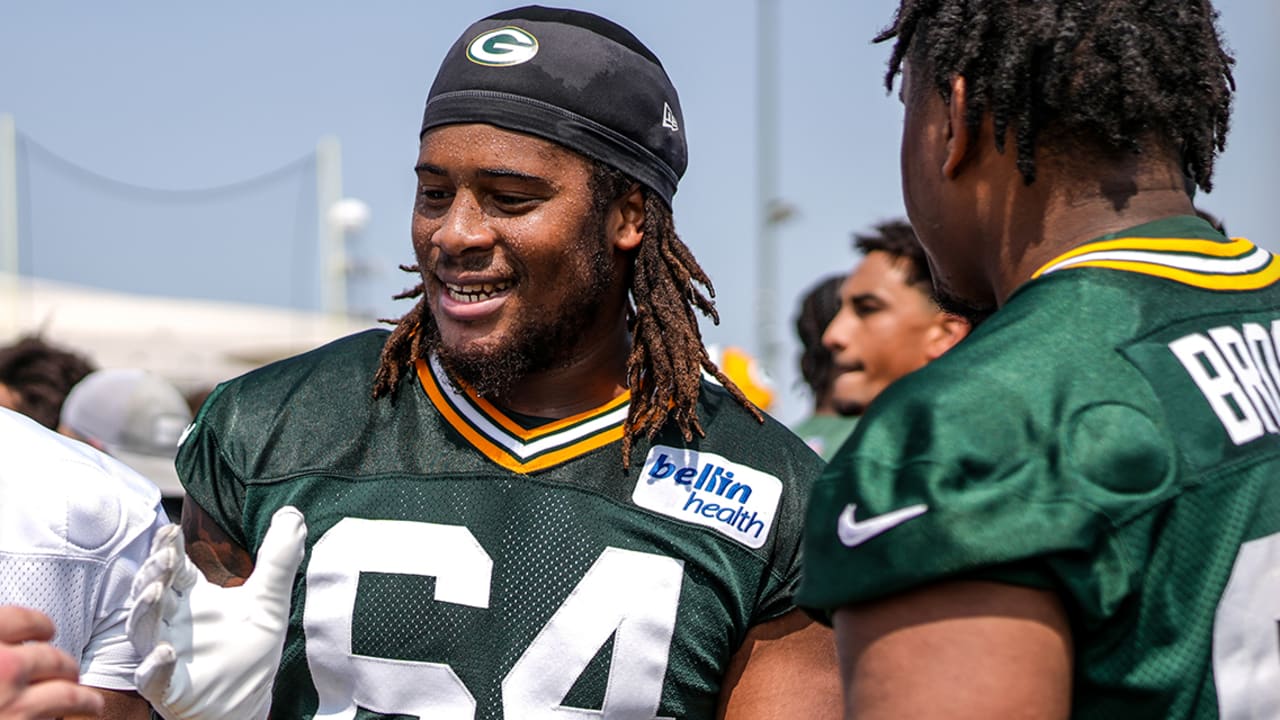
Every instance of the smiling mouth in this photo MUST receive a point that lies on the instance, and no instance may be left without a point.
(475, 293)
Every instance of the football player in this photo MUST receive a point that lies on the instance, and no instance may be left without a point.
(828, 425)
(1075, 512)
(75, 526)
(888, 323)
(523, 501)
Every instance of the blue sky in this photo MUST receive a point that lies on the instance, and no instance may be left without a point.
(183, 96)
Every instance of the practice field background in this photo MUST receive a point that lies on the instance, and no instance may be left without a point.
(184, 96)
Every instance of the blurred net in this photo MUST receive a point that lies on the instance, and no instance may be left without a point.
(251, 241)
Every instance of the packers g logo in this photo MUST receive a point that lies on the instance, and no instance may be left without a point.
(502, 47)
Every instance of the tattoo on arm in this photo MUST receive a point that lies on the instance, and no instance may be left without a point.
(219, 557)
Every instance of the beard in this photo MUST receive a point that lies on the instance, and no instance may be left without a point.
(543, 338)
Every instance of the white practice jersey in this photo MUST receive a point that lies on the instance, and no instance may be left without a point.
(75, 525)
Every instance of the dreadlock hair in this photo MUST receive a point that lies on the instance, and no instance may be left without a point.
(818, 307)
(41, 374)
(1116, 73)
(664, 368)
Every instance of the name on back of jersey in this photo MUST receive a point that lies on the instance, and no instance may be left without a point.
(708, 490)
(1236, 369)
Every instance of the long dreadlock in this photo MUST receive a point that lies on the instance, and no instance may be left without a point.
(1117, 72)
(667, 353)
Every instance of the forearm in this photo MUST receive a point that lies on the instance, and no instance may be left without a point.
(221, 560)
(118, 705)
(786, 668)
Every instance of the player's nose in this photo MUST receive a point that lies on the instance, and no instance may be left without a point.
(464, 228)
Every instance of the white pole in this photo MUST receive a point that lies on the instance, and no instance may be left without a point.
(333, 253)
(766, 184)
(10, 317)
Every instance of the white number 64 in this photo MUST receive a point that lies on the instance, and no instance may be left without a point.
(632, 594)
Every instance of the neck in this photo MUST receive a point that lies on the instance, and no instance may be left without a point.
(595, 375)
(1058, 212)
(824, 406)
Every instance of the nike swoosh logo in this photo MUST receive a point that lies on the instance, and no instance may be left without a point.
(853, 533)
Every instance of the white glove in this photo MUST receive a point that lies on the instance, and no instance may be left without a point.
(209, 652)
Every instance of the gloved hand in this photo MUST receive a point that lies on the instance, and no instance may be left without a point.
(209, 652)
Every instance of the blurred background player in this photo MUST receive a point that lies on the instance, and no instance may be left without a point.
(829, 423)
(1074, 512)
(35, 377)
(888, 323)
(75, 526)
(523, 501)
(134, 416)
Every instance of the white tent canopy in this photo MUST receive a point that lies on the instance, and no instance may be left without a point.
(193, 343)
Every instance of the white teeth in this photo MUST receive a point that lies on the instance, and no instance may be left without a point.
(475, 293)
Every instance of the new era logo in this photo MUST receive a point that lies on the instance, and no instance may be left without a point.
(669, 118)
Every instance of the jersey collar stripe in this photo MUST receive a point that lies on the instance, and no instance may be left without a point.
(587, 424)
(513, 428)
(457, 422)
(1209, 264)
(1253, 281)
(1197, 263)
(571, 438)
(1197, 246)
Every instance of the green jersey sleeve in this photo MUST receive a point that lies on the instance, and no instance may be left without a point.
(970, 480)
(210, 479)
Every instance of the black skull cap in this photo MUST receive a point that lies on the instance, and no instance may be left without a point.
(570, 77)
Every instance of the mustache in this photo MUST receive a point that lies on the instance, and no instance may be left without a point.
(486, 262)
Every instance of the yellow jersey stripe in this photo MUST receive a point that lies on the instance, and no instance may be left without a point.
(1237, 265)
(1235, 247)
(574, 444)
(512, 427)
(1251, 281)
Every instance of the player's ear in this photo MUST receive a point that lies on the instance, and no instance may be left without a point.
(626, 218)
(958, 131)
(948, 331)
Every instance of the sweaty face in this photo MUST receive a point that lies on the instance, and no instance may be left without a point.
(518, 272)
(882, 331)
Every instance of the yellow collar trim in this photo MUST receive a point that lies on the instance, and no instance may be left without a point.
(503, 441)
(1236, 265)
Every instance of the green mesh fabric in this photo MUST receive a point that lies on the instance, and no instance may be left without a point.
(1066, 446)
(305, 432)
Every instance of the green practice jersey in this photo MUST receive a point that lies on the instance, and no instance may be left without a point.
(462, 565)
(1111, 435)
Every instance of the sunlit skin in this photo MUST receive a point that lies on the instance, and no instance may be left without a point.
(885, 328)
(983, 228)
(505, 220)
(38, 680)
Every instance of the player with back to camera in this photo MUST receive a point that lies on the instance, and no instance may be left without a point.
(523, 502)
(1074, 513)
